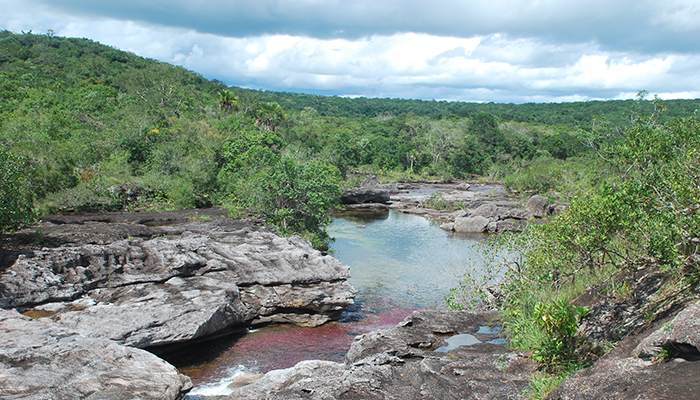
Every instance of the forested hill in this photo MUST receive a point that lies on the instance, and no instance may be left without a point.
(569, 114)
(42, 62)
(87, 126)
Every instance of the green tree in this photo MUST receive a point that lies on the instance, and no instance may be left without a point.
(15, 208)
(227, 101)
(298, 197)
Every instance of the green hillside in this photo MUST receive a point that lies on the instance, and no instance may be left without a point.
(93, 127)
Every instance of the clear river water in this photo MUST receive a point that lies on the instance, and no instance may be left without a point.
(399, 263)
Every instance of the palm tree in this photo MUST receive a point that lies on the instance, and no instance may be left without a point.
(269, 115)
(227, 101)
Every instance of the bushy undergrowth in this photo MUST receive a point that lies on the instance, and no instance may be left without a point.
(647, 212)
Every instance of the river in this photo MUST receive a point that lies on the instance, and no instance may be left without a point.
(399, 263)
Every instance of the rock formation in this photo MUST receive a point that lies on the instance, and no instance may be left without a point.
(406, 362)
(41, 360)
(170, 284)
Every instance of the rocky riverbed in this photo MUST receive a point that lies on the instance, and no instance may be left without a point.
(83, 296)
(468, 207)
(105, 283)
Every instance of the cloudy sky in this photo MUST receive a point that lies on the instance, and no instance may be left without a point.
(467, 50)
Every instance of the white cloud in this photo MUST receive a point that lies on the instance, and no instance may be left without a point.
(500, 50)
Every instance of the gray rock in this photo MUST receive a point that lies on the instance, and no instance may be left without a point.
(148, 314)
(621, 374)
(471, 224)
(514, 213)
(154, 292)
(488, 210)
(537, 206)
(41, 360)
(364, 195)
(449, 227)
(681, 335)
(399, 363)
(511, 225)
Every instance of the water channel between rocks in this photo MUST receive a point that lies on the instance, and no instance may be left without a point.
(399, 263)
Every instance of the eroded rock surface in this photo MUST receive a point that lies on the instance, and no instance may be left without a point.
(485, 208)
(43, 360)
(192, 280)
(402, 363)
(659, 361)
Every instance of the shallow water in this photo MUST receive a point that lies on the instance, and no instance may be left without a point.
(398, 262)
(402, 260)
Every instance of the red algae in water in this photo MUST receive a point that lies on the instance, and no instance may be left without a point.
(283, 346)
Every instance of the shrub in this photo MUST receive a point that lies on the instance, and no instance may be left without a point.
(15, 207)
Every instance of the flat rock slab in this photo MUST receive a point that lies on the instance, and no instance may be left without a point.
(42, 360)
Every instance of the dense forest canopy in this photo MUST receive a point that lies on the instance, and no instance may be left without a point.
(94, 127)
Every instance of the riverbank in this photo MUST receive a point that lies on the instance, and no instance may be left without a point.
(149, 281)
(467, 207)
(102, 286)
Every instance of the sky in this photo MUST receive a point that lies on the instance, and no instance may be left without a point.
(509, 51)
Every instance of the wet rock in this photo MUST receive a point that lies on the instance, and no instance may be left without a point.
(476, 224)
(398, 363)
(42, 360)
(537, 206)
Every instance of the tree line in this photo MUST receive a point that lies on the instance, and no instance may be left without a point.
(86, 126)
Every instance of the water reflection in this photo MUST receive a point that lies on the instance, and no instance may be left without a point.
(398, 263)
(402, 260)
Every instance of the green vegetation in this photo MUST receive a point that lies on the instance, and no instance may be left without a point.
(15, 207)
(645, 212)
(97, 128)
(85, 126)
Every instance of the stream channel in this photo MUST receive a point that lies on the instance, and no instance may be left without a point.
(399, 263)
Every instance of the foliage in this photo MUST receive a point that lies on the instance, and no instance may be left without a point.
(90, 122)
(15, 208)
(437, 201)
(646, 213)
(560, 321)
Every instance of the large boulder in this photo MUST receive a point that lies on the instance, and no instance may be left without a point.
(42, 360)
(488, 210)
(537, 206)
(365, 195)
(476, 224)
